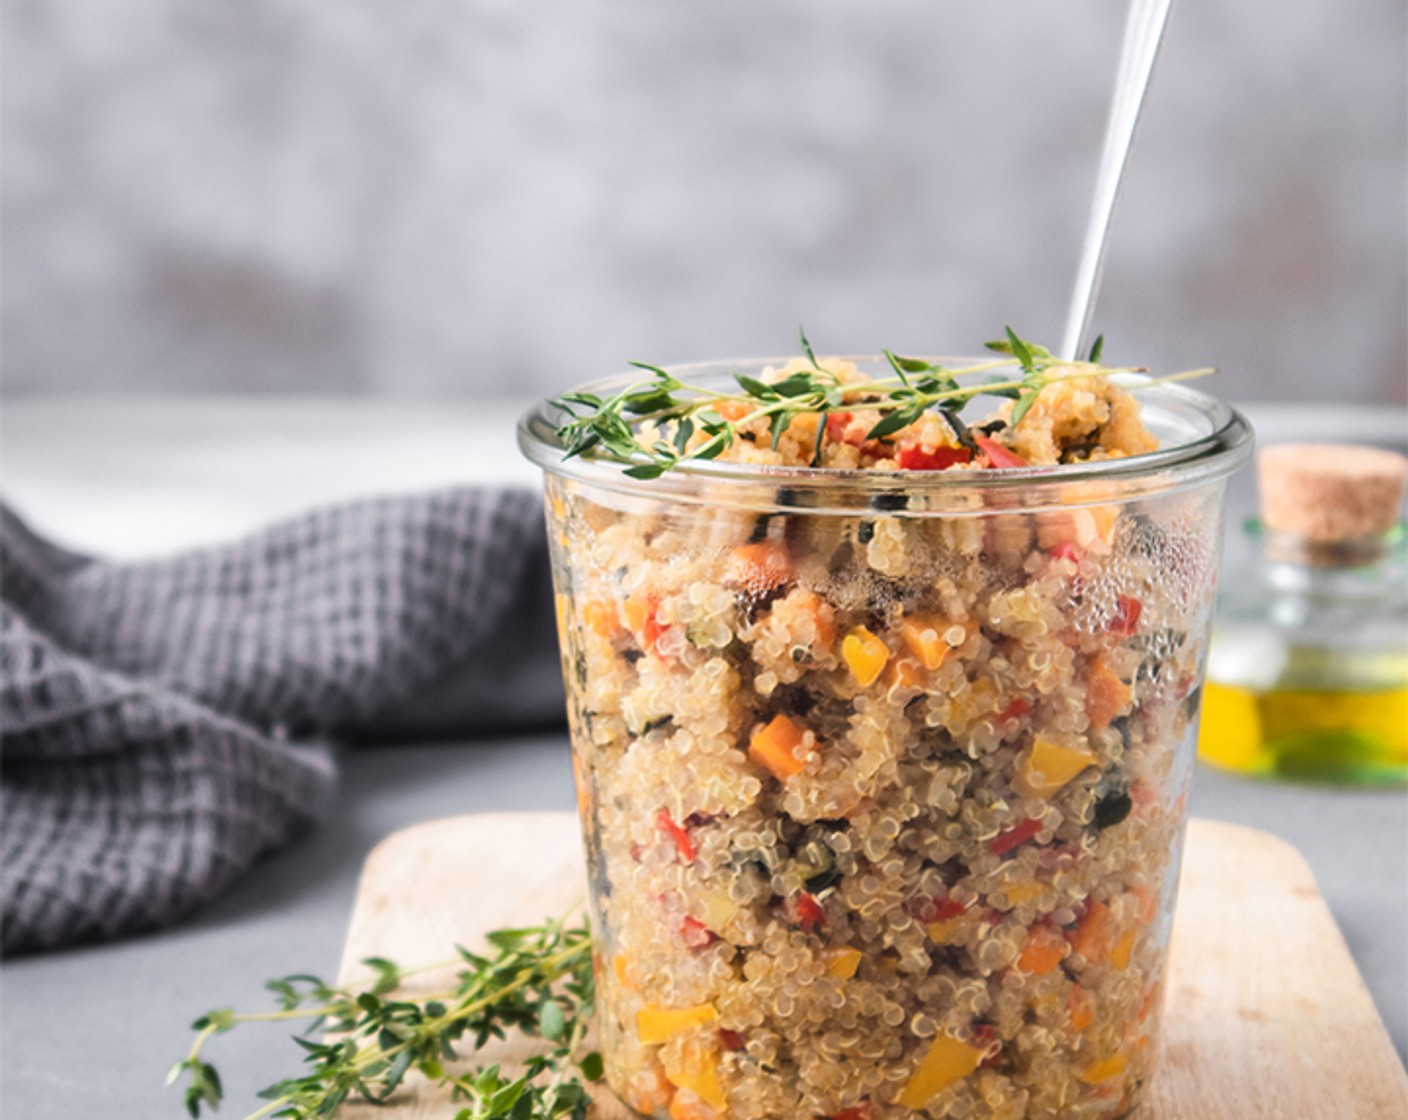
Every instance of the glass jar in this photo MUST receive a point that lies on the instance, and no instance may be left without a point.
(1308, 671)
(883, 775)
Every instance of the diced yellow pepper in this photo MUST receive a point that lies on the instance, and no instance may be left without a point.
(923, 637)
(621, 967)
(1047, 767)
(697, 1069)
(637, 610)
(1019, 893)
(655, 1024)
(1120, 954)
(841, 963)
(865, 654)
(1104, 1070)
(562, 605)
(947, 1061)
(943, 932)
(718, 910)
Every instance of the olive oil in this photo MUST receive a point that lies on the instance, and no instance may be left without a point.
(1308, 667)
(1341, 737)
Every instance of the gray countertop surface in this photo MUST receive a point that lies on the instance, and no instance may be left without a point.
(91, 1031)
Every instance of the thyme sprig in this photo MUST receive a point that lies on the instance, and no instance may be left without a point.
(610, 427)
(536, 981)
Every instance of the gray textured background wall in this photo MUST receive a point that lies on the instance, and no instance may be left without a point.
(509, 195)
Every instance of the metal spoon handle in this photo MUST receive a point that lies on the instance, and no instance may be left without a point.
(1143, 33)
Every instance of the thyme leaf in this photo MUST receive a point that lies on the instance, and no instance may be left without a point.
(536, 981)
(610, 428)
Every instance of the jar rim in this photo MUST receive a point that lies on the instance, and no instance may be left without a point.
(1220, 441)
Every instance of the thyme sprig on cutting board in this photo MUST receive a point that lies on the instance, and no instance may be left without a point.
(610, 427)
(536, 981)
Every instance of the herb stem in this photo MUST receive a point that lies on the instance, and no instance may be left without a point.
(651, 426)
(527, 961)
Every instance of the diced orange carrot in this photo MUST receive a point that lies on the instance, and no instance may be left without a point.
(904, 672)
(922, 636)
(733, 411)
(760, 567)
(823, 617)
(1092, 938)
(865, 654)
(1043, 951)
(584, 792)
(1105, 694)
(1081, 1006)
(1151, 1001)
(775, 747)
(600, 617)
(687, 1105)
(648, 1092)
(1148, 903)
(948, 1060)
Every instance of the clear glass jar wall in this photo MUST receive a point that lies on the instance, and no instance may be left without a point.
(883, 788)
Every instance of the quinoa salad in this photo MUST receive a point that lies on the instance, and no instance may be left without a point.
(883, 811)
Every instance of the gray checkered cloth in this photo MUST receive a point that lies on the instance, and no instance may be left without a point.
(165, 723)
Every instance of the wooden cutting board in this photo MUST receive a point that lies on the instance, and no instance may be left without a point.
(1267, 1017)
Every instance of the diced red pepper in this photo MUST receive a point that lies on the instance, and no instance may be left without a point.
(1126, 620)
(1015, 710)
(985, 1035)
(639, 613)
(998, 456)
(1067, 550)
(694, 933)
(1004, 842)
(807, 913)
(683, 844)
(730, 1040)
(936, 909)
(837, 424)
(863, 1111)
(921, 457)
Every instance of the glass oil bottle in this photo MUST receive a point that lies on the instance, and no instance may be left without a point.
(1308, 667)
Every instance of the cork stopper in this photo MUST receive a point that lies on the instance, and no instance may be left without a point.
(1328, 494)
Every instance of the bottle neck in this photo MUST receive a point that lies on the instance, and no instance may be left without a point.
(1292, 550)
(1355, 569)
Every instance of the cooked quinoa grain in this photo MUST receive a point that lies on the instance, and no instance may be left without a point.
(883, 810)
